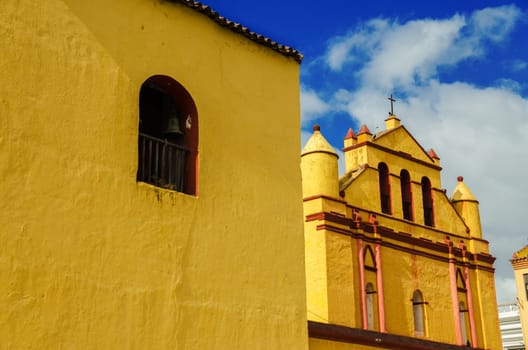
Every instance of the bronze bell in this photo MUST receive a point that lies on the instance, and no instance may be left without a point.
(173, 124)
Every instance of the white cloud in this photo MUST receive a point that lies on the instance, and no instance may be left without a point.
(312, 106)
(390, 54)
(495, 23)
(518, 65)
(357, 44)
(505, 290)
(509, 84)
(363, 105)
(411, 52)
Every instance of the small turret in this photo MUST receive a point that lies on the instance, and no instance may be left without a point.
(364, 134)
(468, 207)
(434, 156)
(319, 168)
(350, 138)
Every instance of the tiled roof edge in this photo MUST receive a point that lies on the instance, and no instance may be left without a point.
(238, 28)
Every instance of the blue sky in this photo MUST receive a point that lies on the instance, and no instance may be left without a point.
(459, 72)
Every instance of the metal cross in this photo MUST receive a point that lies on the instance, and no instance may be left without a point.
(392, 100)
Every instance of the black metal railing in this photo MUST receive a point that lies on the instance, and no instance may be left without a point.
(161, 163)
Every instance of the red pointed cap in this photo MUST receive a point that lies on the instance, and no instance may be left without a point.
(433, 154)
(350, 134)
(316, 127)
(364, 130)
(460, 178)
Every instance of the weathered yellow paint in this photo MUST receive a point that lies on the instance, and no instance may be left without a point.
(393, 138)
(316, 269)
(426, 275)
(342, 285)
(413, 257)
(91, 259)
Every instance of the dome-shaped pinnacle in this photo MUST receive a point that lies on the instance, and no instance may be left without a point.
(467, 207)
(462, 192)
(317, 143)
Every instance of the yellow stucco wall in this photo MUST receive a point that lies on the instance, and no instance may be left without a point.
(91, 259)
(317, 273)
(343, 302)
(393, 139)
(486, 301)
(403, 273)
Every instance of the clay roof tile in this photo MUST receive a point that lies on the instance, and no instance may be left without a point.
(245, 31)
(364, 130)
(433, 154)
(350, 134)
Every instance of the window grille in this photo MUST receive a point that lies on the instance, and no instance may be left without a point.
(162, 163)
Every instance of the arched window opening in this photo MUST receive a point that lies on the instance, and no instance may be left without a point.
(427, 197)
(384, 184)
(464, 323)
(371, 310)
(461, 284)
(168, 135)
(368, 258)
(406, 191)
(463, 310)
(418, 313)
(370, 277)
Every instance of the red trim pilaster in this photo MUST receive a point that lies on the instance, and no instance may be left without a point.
(469, 294)
(454, 293)
(361, 265)
(381, 298)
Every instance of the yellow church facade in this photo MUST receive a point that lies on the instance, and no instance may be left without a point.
(153, 199)
(146, 181)
(391, 261)
(519, 262)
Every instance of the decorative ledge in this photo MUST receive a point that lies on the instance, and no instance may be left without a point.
(376, 339)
